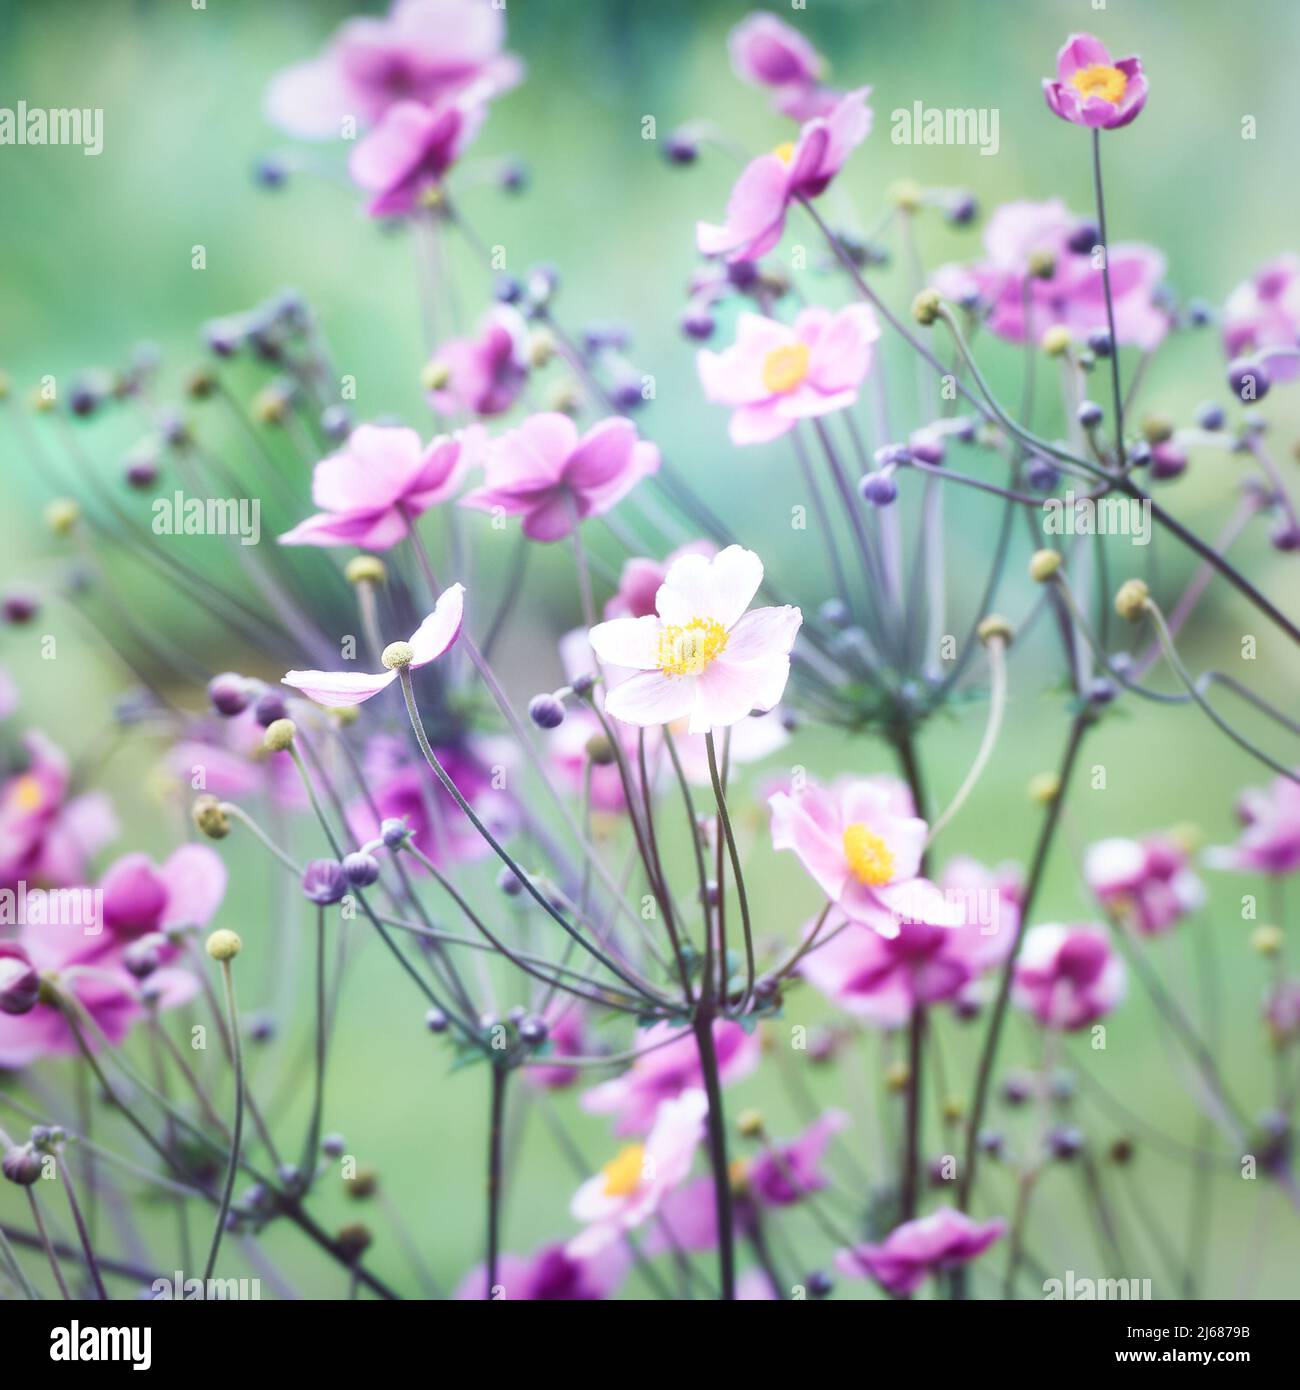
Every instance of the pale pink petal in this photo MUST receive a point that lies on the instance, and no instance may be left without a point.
(650, 698)
(195, 876)
(761, 633)
(630, 642)
(337, 689)
(440, 629)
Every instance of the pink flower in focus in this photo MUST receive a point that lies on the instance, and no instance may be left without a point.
(336, 689)
(383, 479)
(1025, 239)
(545, 473)
(1264, 312)
(423, 50)
(411, 150)
(1068, 977)
(1270, 840)
(767, 52)
(672, 1068)
(702, 657)
(629, 1189)
(1091, 90)
(861, 843)
(484, 375)
(776, 375)
(1147, 882)
(552, 1274)
(757, 208)
(47, 837)
(913, 1251)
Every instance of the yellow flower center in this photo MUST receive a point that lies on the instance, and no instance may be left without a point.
(623, 1173)
(26, 794)
(870, 858)
(784, 368)
(785, 152)
(688, 650)
(1101, 81)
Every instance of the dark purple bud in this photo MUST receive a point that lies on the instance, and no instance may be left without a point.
(1199, 313)
(789, 720)
(143, 956)
(261, 1027)
(928, 448)
(393, 833)
(1248, 380)
(543, 281)
(333, 1146)
(513, 176)
(1099, 343)
(1211, 417)
(991, 1143)
(1285, 536)
(270, 706)
(582, 686)
(743, 275)
(141, 471)
(290, 1178)
(228, 694)
(698, 323)
(360, 869)
(1102, 690)
(533, 1030)
(510, 883)
(1016, 1090)
(767, 987)
(508, 289)
(1090, 414)
(270, 173)
(1083, 238)
(1139, 454)
(819, 1284)
(1167, 460)
(436, 1021)
(223, 337)
(20, 606)
(963, 210)
(20, 985)
(679, 148)
(546, 711)
(84, 399)
(323, 881)
(879, 488)
(1041, 475)
(1065, 1143)
(22, 1165)
(626, 394)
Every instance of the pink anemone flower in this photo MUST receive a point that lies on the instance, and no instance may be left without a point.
(804, 168)
(382, 480)
(1146, 881)
(641, 577)
(141, 897)
(484, 375)
(546, 474)
(423, 50)
(767, 52)
(666, 1072)
(1263, 313)
(1091, 90)
(551, 1275)
(336, 689)
(411, 151)
(1270, 839)
(47, 836)
(629, 1188)
(776, 375)
(862, 845)
(702, 657)
(912, 1252)
(1068, 977)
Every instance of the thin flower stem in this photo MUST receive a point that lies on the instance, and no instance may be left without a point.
(45, 1244)
(500, 1073)
(1117, 389)
(311, 1144)
(997, 649)
(232, 1167)
(724, 817)
(83, 1235)
(717, 1142)
(15, 1269)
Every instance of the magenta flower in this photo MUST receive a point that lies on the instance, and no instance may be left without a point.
(1068, 977)
(629, 1188)
(776, 375)
(641, 577)
(383, 479)
(804, 168)
(567, 1035)
(1270, 839)
(552, 1274)
(672, 1068)
(1022, 241)
(228, 759)
(767, 52)
(141, 897)
(1263, 313)
(917, 1249)
(545, 473)
(399, 789)
(47, 837)
(335, 689)
(862, 845)
(1147, 882)
(789, 1172)
(484, 375)
(701, 657)
(410, 151)
(1092, 91)
(423, 50)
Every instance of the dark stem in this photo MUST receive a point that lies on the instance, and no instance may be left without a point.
(495, 1129)
(1117, 389)
(717, 1136)
(912, 1141)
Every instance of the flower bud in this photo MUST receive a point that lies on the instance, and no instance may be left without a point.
(600, 751)
(906, 195)
(270, 706)
(1265, 939)
(20, 985)
(396, 656)
(1132, 599)
(879, 488)
(1090, 415)
(540, 347)
(1043, 564)
(144, 955)
(926, 306)
(353, 1242)
(393, 832)
(279, 735)
(229, 694)
(323, 881)
(22, 1165)
(995, 628)
(510, 883)
(546, 711)
(61, 515)
(533, 1030)
(211, 820)
(679, 148)
(1044, 788)
(1248, 380)
(1056, 341)
(1156, 429)
(1041, 264)
(436, 1021)
(750, 1124)
(1099, 343)
(223, 945)
(897, 1076)
(360, 869)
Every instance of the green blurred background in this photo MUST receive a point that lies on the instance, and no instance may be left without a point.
(97, 258)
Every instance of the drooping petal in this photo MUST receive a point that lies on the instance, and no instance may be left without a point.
(440, 629)
(338, 689)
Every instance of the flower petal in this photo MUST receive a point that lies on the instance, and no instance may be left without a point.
(440, 629)
(337, 689)
(650, 698)
(631, 642)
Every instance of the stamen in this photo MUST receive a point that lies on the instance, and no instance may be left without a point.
(1099, 80)
(785, 367)
(686, 650)
(623, 1173)
(870, 858)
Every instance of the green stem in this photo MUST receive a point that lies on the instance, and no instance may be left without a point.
(232, 1167)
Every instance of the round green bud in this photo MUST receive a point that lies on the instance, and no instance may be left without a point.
(436, 375)
(223, 945)
(541, 347)
(1056, 341)
(1044, 788)
(1043, 565)
(397, 655)
(1042, 265)
(906, 195)
(279, 735)
(1132, 599)
(926, 306)
(61, 515)
(211, 820)
(365, 569)
(995, 628)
